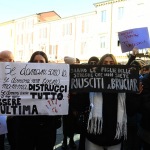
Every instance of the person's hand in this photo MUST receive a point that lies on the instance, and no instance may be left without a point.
(75, 113)
(135, 51)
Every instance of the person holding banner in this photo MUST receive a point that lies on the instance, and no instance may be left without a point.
(36, 132)
(133, 141)
(144, 109)
(107, 119)
(141, 106)
(7, 56)
(2, 135)
(132, 56)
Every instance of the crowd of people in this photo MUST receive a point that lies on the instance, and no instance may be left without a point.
(104, 120)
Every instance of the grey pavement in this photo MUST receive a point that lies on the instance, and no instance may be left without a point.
(59, 140)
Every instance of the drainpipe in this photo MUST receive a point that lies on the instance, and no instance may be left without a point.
(111, 27)
(75, 39)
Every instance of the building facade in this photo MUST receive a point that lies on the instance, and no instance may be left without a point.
(80, 36)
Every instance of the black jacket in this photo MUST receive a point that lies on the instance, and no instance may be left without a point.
(144, 106)
(107, 138)
(141, 103)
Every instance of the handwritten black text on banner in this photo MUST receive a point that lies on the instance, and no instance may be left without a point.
(34, 89)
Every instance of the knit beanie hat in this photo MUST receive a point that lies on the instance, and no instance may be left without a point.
(69, 60)
(93, 58)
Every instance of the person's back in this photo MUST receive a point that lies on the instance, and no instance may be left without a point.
(69, 120)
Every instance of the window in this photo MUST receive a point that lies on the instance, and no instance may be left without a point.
(103, 42)
(32, 38)
(53, 51)
(23, 25)
(43, 32)
(85, 26)
(67, 29)
(120, 13)
(20, 54)
(140, 10)
(11, 33)
(103, 16)
(82, 48)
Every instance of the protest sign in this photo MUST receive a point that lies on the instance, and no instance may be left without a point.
(104, 78)
(3, 125)
(34, 89)
(138, 37)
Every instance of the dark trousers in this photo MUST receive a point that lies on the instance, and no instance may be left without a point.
(11, 126)
(39, 137)
(68, 128)
(145, 146)
(68, 125)
(2, 139)
(133, 141)
(82, 142)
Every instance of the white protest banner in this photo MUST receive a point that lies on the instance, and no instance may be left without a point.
(34, 89)
(3, 125)
(138, 37)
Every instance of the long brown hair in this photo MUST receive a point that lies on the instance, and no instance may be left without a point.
(107, 55)
(38, 53)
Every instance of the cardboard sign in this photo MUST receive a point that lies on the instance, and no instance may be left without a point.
(34, 89)
(104, 78)
(138, 38)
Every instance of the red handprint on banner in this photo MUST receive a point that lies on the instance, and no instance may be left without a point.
(53, 104)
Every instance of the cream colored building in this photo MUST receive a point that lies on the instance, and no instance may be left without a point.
(7, 35)
(80, 36)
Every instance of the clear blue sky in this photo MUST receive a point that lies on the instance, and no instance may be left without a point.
(13, 9)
